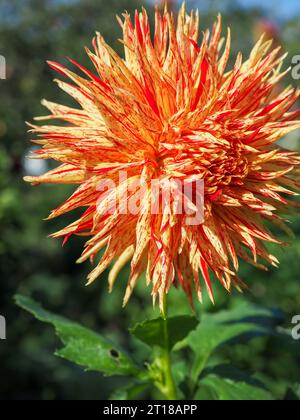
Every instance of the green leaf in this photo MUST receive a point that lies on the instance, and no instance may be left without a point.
(215, 330)
(293, 393)
(229, 390)
(81, 345)
(130, 392)
(152, 332)
(180, 371)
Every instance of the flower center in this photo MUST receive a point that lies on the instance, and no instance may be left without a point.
(231, 168)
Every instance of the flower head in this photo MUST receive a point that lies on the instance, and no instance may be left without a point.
(170, 111)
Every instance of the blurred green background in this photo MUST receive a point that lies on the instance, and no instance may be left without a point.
(32, 31)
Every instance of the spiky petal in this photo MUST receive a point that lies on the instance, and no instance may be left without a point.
(170, 110)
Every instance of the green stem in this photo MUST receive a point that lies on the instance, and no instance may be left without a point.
(169, 385)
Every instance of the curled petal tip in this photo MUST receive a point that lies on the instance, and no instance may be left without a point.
(28, 179)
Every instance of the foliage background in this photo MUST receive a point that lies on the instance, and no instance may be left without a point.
(32, 31)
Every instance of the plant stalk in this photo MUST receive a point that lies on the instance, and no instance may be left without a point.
(169, 385)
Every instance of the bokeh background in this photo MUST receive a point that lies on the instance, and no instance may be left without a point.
(32, 31)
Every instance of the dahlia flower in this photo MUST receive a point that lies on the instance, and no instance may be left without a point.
(170, 110)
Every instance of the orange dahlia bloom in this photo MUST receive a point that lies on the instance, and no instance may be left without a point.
(170, 110)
